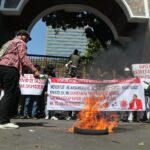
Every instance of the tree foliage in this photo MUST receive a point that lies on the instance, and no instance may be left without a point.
(95, 28)
(93, 47)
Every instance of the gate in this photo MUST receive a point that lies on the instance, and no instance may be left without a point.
(43, 60)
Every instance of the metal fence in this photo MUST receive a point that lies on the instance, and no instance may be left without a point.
(43, 60)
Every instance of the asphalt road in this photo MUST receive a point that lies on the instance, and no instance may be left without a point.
(53, 135)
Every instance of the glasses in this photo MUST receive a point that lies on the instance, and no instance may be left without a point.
(28, 38)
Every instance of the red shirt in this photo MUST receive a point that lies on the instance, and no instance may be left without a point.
(16, 56)
(135, 104)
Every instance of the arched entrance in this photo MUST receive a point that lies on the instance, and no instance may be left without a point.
(76, 8)
(120, 15)
(115, 13)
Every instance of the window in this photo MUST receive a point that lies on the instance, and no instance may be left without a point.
(11, 3)
(12, 7)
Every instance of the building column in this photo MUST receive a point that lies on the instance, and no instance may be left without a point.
(5, 33)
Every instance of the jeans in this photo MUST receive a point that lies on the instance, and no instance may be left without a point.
(48, 112)
(31, 105)
(9, 77)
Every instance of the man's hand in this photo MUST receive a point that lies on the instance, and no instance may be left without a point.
(36, 74)
(46, 94)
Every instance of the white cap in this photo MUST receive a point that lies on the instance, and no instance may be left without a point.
(126, 69)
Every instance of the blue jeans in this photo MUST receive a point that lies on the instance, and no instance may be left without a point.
(31, 105)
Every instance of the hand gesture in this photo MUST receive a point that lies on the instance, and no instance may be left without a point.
(36, 74)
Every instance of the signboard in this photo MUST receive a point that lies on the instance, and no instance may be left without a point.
(31, 86)
(141, 70)
(69, 93)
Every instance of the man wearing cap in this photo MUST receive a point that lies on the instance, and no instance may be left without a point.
(73, 64)
(11, 64)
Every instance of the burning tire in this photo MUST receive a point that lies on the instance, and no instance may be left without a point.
(90, 132)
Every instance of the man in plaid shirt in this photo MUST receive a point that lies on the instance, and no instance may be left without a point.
(11, 64)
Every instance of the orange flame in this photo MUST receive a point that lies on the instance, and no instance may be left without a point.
(91, 116)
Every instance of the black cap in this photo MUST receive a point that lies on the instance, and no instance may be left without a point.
(76, 51)
(50, 66)
(24, 32)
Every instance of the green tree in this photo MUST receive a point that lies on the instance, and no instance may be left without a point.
(94, 47)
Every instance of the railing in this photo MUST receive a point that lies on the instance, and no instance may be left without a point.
(43, 60)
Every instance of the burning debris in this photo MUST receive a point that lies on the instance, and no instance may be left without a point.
(91, 120)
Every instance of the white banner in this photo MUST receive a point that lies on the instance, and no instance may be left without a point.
(141, 70)
(117, 95)
(31, 86)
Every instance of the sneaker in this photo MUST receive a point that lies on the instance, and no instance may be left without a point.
(54, 118)
(35, 118)
(47, 117)
(130, 121)
(68, 118)
(25, 117)
(9, 126)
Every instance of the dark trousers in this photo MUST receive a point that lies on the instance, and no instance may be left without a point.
(9, 78)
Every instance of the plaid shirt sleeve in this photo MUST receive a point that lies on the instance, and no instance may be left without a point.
(24, 60)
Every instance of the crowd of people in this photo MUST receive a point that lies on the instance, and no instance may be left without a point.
(35, 106)
(13, 63)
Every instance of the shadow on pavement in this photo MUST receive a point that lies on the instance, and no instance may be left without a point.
(29, 124)
(121, 129)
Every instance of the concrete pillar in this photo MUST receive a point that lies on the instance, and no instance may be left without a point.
(5, 32)
(146, 49)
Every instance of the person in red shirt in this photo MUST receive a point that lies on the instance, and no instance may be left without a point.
(11, 64)
(136, 105)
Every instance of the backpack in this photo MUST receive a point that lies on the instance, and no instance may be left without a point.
(3, 49)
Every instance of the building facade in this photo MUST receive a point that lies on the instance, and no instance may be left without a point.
(63, 43)
(123, 17)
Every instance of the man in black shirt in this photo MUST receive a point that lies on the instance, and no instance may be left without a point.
(73, 63)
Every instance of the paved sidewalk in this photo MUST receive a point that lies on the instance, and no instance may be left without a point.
(53, 135)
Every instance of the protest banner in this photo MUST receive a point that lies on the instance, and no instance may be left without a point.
(31, 86)
(141, 70)
(70, 93)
